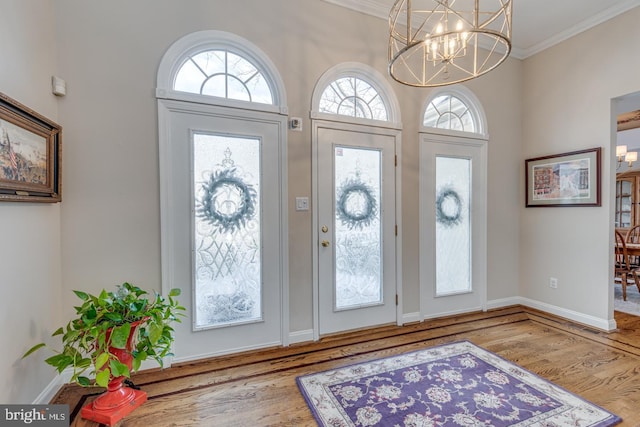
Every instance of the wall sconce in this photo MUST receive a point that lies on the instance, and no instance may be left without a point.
(631, 157)
(621, 152)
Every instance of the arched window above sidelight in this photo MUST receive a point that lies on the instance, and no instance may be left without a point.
(354, 97)
(454, 109)
(354, 92)
(216, 67)
(449, 112)
(223, 74)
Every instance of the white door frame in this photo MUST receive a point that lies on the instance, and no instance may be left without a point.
(317, 124)
(427, 219)
(168, 107)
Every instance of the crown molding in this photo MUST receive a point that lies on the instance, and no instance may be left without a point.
(380, 9)
(591, 22)
(375, 8)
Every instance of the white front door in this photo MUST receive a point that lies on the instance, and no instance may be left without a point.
(222, 229)
(355, 228)
(453, 238)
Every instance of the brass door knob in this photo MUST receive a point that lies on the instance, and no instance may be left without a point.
(325, 243)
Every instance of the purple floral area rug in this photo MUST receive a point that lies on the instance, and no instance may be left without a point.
(457, 384)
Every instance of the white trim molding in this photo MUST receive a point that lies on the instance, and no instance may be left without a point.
(575, 316)
(297, 337)
(472, 102)
(201, 41)
(369, 75)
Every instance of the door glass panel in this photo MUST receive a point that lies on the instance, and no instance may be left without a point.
(453, 225)
(227, 223)
(358, 235)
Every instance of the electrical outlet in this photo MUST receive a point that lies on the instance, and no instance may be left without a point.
(553, 283)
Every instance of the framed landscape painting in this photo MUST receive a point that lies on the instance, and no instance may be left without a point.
(30, 155)
(567, 179)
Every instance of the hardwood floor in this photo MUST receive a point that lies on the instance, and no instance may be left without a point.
(259, 388)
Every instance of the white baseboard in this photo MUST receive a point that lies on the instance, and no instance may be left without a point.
(226, 352)
(307, 336)
(49, 392)
(296, 337)
(450, 313)
(411, 317)
(504, 302)
(585, 319)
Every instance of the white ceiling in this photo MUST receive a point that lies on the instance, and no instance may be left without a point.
(537, 24)
(630, 138)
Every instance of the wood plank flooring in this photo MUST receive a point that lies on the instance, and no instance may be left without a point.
(259, 389)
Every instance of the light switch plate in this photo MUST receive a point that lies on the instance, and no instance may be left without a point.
(302, 203)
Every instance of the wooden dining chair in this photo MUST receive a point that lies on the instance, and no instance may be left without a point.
(633, 236)
(624, 271)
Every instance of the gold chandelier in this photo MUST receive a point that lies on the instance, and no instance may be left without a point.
(442, 42)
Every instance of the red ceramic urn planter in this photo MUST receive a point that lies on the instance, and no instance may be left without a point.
(118, 401)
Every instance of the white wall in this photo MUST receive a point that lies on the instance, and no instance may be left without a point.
(30, 242)
(108, 52)
(567, 106)
(111, 217)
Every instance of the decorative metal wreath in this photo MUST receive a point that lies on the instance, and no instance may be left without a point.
(448, 208)
(225, 190)
(356, 207)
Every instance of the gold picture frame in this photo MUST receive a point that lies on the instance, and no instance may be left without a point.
(30, 155)
(567, 179)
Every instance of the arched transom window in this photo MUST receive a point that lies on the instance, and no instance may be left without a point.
(451, 113)
(223, 74)
(353, 97)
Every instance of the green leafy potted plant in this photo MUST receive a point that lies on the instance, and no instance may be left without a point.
(111, 335)
(105, 321)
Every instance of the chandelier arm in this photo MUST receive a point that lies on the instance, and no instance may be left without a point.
(432, 12)
(404, 61)
(492, 18)
(476, 15)
(493, 49)
(409, 24)
(454, 65)
(475, 56)
(393, 21)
